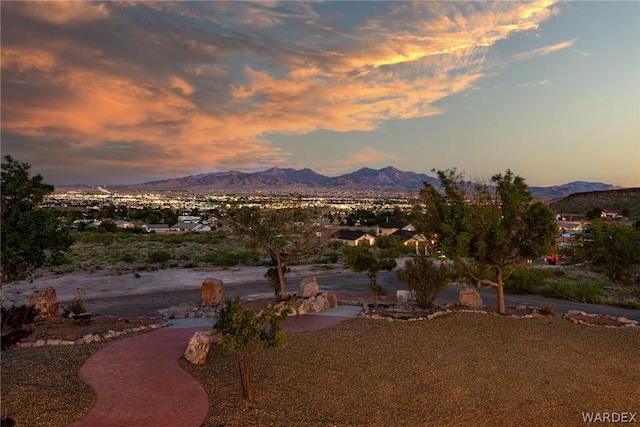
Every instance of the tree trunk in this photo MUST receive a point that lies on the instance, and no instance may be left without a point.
(282, 280)
(500, 292)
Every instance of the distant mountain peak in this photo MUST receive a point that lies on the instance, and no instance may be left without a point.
(388, 179)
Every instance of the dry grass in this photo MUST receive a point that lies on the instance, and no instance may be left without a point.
(461, 369)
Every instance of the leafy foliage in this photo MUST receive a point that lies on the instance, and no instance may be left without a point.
(77, 305)
(12, 323)
(247, 334)
(424, 279)
(31, 237)
(612, 248)
(286, 235)
(372, 260)
(485, 227)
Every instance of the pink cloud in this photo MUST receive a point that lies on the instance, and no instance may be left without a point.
(396, 67)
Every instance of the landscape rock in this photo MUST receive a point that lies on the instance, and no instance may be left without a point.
(316, 304)
(45, 302)
(403, 296)
(212, 292)
(469, 297)
(198, 348)
(332, 301)
(309, 287)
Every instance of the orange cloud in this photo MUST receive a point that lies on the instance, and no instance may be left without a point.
(211, 113)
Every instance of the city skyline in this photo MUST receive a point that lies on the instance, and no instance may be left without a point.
(125, 92)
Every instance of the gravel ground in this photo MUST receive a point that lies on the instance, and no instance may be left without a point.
(459, 369)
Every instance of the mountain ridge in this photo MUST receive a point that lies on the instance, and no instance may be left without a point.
(386, 180)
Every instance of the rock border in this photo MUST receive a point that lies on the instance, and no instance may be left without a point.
(404, 313)
(90, 338)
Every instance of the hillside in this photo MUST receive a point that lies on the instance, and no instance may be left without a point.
(618, 200)
(385, 180)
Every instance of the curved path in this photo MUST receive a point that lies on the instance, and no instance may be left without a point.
(138, 381)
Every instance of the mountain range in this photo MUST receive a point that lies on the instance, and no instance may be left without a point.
(385, 180)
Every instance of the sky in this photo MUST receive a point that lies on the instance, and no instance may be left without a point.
(128, 92)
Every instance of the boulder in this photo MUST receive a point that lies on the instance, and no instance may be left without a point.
(309, 287)
(332, 301)
(45, 302)
(212, 292)
(403, 296)
(198, 348)
(469, 297)
(316, 304)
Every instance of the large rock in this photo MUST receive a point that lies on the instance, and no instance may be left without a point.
(45, 302)
(212, 292)
(469, 297)
(316, 304)
(332, 301)
(403, 296)
(309, 287)
(198, 348)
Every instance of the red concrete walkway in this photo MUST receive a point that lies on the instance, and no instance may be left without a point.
(139, 383)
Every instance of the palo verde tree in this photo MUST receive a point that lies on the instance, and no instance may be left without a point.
(486, 228)
(286, 235)
(372, 260)
(31, 236)
(247, 333)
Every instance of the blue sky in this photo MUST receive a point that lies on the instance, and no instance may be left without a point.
(110, 92)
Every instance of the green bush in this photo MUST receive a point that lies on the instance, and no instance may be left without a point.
(160, 256)
(590, 292)
(526, 281)
(121, 256)
(424, 279)
(77, 305)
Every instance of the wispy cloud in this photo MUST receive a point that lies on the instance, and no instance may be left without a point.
(542, 51)
(191, 85)
(534, 84)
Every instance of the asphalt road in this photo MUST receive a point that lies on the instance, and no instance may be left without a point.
(147, 304)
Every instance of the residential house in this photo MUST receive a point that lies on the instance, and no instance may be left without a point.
(157, 228)
(391, 226)
(412, 239)
(189, 226)
(607, 213)
(124, 224)
(569, 228)
(355, 238)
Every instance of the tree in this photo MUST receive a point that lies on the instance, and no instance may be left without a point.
(611, 247)
(31, 236)
(424, 279)
(247, 334)
(372, 260)
(487, 229)
(287, 235)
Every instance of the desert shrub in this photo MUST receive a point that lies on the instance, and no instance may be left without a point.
(77, 305)
(229, 258)
(12, 324)
(329, 257)
(526, 281)
(247, 333)
(590, 292)
(121, 256)
(424, 279)
(159, 256)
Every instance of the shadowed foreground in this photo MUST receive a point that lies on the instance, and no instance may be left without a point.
(461, 369)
